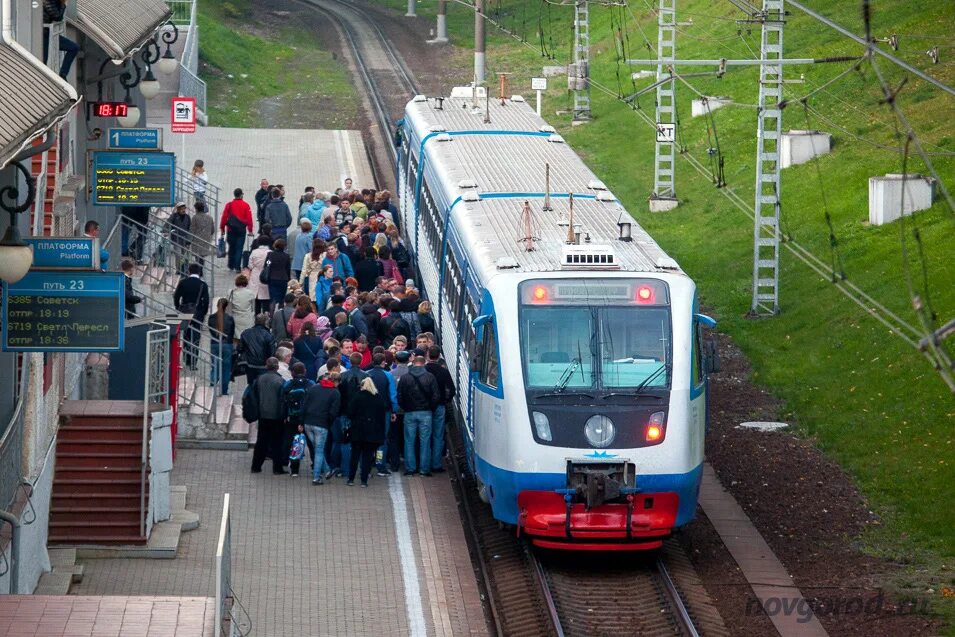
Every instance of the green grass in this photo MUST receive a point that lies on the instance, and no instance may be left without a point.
(864, 396)
(275, 75)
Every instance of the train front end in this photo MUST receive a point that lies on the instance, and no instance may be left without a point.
(605, 450)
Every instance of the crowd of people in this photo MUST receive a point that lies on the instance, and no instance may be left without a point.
(330, 332)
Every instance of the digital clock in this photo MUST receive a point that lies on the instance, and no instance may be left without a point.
(110, 109)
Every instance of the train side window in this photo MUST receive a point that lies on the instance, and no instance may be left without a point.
(489, 364)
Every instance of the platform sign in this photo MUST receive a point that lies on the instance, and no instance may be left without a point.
(135, 138)
(666, 133)
(133, 178)
(64, 253)
(183, 115)
(538, 83)
(64, 312)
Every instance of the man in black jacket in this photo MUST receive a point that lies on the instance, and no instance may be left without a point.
(261, 199)
(446, 393)
(268, 393)
(256, 346)
(192, 297)
(131, 298)
(418, 396)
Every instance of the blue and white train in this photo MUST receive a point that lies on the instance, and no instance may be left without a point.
(575, 340)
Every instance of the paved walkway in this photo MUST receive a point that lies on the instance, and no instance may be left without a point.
(307, 560)
(241, 157)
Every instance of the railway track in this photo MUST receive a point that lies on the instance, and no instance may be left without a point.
(547, 595)
(378, 64)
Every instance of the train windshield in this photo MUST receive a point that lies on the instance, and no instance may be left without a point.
(595, 334)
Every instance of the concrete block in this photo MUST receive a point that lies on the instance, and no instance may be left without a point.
(799, 146)
(663, 204)
(885, 197)
(160, 449)
(698, 108)
(159, 496)
(640, 75)
(554, 71)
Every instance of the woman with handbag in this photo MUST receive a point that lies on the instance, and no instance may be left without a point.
(277, 273)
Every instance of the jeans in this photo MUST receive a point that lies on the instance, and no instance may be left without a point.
(223, 371)
(317, 436)
(341, 450)
(437, 437)
(236, 244)
(418, 424)
(68, 47)
(200, 197)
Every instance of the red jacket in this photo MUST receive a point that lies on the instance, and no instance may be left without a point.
(240, 209)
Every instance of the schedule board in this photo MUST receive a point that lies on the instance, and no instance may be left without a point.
(64, 312)
(133, 179)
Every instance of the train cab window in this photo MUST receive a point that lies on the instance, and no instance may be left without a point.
(490, 367)
(697, 363)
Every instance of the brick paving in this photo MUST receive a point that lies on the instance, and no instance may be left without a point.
(60, 616)
(311, 560)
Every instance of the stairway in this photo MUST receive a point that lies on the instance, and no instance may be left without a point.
(46, 190)
(96, 486)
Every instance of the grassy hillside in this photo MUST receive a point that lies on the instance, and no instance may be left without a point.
(866, 397)
(264, 69)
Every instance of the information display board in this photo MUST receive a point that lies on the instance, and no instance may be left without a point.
(133, 179)
(64, 312)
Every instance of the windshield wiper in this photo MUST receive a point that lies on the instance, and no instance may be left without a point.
(563, 393)
(646, 381)
(633, 393)
(567, 375)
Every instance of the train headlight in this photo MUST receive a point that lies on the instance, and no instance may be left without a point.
(542, 426)
(656, 428)
(599, 431)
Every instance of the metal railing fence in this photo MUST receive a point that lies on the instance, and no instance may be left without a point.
(155, 392)
(11, 443)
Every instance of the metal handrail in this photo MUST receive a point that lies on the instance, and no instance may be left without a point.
(213, 194)
(13, 426)
(154, 217)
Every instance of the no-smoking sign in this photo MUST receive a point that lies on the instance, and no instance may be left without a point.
(184, 115)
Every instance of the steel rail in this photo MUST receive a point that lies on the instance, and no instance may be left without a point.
(541, 576)
(676, 601)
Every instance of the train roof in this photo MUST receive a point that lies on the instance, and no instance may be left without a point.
(504, 163)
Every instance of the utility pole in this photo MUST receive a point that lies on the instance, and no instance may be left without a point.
(579, 75)
(412, 9)
(480, 42)
(442, 36)
(664, 156)
(769, 121)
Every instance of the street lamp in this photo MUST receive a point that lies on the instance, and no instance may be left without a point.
(149, 86)
(132, 112)
(168, 63)
(16, 257)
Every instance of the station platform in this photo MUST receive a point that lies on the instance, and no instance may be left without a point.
(242, 157)
(316, 560)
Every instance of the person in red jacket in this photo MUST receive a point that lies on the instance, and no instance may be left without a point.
(236, 220)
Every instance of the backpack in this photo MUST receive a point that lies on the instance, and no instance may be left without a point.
(250, 404)
(295, 399)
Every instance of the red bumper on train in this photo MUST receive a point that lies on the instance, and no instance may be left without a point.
(544, 517)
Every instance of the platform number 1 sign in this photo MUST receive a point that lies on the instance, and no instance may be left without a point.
(184, 115)
(666, 133)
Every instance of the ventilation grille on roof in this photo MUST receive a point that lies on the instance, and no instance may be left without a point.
(596, 257)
